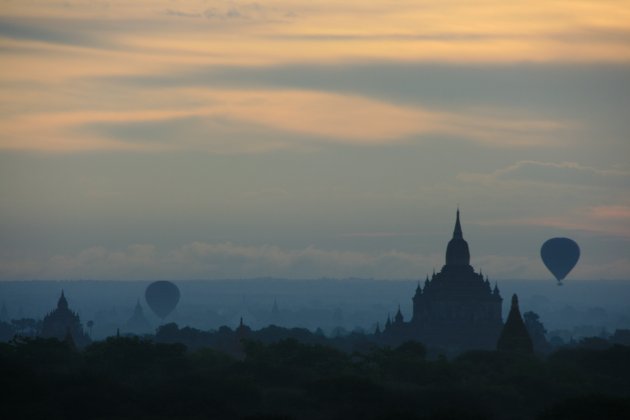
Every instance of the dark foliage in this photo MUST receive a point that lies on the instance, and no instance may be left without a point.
(589, 407)
(132, 378)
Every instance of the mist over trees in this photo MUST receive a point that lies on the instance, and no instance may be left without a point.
(579, 310)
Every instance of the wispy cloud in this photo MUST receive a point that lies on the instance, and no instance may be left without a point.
(203, 117)
(611, 212)
(297, 31)
(612, 221)
(199, 260)
(66, 49)
(552, 173)
(379, 234)
(566, 196)
(216, 260)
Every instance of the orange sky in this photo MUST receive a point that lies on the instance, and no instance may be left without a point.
(56, 54)
(491, 104)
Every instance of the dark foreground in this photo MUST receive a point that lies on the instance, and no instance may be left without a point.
(129, 378)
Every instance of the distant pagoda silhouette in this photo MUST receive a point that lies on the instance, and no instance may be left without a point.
(514, 337)
(138, 323)
(456, 309)
(64, 324)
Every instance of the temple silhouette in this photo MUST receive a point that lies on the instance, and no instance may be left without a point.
(138, 323)
(514, 337)
(457, 309)
(64, 324)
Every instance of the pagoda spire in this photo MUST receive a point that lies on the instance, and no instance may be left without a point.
(514, 336)
(457, 232)
(62, 303)
(457, 253)
(138, 309)
(398, 319)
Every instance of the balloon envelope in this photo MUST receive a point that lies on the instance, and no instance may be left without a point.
(560, 256)
(162, 297)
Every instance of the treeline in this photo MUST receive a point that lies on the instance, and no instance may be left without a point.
(134, 378)
(229, 341)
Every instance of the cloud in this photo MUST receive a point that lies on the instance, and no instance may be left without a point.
(234, 11)
(521, 267)
(611, 212)
(179, 13)
(56, 58)
(610, 221)
(512, 267)
(284, 31)
(579, 35)
(379, 234)
(200, 260)
(573, 167)
(233, 121)
(33, 30)
(564, 196)
(95, 262)
(218, 260)
(550, 173)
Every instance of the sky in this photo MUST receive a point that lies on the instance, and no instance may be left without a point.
(306, 139)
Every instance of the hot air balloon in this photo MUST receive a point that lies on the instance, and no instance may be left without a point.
(560, 256)
(162, 297)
